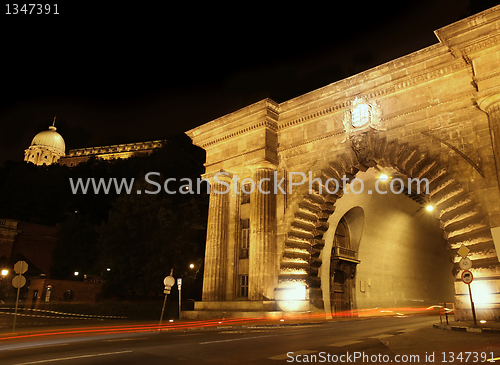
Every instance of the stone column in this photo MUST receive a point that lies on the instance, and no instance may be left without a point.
(491, 106)
(263, 261)
(214, 277)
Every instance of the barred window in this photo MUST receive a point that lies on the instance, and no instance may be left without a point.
(244, 286)
(245, 238)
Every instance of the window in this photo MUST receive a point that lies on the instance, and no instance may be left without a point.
(245, 193)
(244, 286)
(245, 238)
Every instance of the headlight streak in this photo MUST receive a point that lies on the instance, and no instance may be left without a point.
(153, 327)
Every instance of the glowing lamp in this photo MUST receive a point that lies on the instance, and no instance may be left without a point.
(291, 293)
(482, 293)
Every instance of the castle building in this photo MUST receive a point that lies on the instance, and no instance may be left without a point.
(121, 151)
(314, 205)
(48, 147)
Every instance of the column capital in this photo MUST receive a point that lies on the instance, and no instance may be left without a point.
(222, 175)
(489, 102)
(263, 165)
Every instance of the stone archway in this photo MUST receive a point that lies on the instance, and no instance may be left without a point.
(460, 216)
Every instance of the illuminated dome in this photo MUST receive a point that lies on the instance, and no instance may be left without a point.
(46, 148)
(50, 139)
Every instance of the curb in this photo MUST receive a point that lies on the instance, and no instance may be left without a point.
(466, 328)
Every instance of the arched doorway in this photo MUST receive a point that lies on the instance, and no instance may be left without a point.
(343, 262)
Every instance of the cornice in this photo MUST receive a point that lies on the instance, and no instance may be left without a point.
(224, 122)
(266, 123)
(481, 45)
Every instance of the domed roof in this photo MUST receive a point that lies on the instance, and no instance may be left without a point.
(51, 139)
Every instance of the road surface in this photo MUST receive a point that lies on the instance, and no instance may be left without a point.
(377, 340)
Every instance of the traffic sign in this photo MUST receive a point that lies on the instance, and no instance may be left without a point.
(169, 281)
(467, 277)
(463, 251)
(179, 281)
(465, 263)
(19, 281)
(21, 267)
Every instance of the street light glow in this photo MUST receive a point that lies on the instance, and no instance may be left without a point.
(5, 272)
(76, 273)
(429, 208)
(191, 266)
(383, 177)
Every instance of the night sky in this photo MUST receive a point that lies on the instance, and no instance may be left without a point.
(138, 72)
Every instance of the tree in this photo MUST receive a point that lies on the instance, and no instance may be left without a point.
(76, 248)
(146, 236)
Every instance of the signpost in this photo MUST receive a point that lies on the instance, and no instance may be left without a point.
(169, 281)
(467, 277)
(18, 282)
(179, 284)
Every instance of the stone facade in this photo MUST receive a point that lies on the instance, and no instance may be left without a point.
(61, 291)
(433, 114)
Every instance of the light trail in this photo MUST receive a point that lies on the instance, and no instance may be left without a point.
(154, 327)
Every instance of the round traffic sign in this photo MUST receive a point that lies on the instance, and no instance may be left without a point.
(465, 263)
(169, 281)
(21, 267)
(19, 281)
(467, 277)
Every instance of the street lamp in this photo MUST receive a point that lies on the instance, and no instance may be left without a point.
(5, 272)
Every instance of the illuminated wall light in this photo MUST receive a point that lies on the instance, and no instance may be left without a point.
(481, 292)
(429, 208)
(291, 298)
(383, 177)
